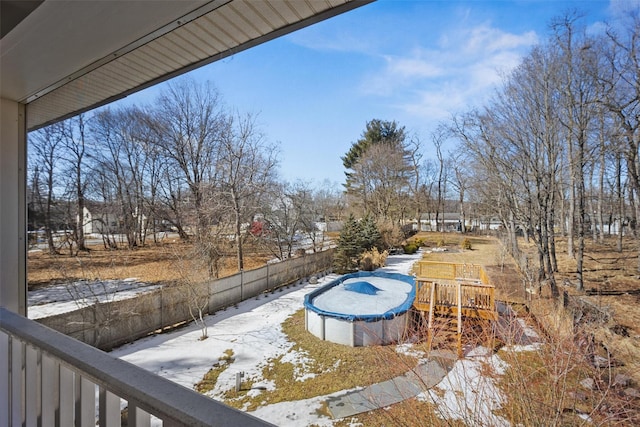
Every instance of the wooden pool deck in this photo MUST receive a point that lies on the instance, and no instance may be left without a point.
(453, 291)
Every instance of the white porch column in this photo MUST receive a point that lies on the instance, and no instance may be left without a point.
(13, 216)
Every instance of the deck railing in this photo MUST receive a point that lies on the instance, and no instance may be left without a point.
(451, 271)
(49, 379)
(472, 295)
(456, 291)
(444, 284)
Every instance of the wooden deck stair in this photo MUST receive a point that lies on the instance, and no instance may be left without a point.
(453, 292)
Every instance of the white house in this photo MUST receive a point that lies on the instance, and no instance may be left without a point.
(451, 221)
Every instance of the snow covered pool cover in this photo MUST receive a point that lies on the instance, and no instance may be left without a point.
(368, 296)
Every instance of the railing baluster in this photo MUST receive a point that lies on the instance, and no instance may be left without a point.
(109, 413)
(66, 400)
(85, 394)
(17, 382)
(50, 392)
(5, 382)
(136, 417)
(32, 386)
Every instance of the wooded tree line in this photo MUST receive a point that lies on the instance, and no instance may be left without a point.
(555, 150)
(389, 179)
(186, 162)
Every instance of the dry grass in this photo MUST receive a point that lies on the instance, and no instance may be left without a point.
(542, 387)
(152, 264)
(485, 251)
(546, 387)
(410, 412)
(329, 368)
(605, 271)
(211, 377)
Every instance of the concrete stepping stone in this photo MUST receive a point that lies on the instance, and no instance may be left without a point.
(381, 395)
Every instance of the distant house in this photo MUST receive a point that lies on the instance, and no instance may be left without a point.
(329, 226)
(106, 218)
(488, 223)
(451, 223)
(100, 218)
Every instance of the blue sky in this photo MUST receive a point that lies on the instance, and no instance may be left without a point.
(412, 61)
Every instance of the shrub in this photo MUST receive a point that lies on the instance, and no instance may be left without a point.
(466, 244)
(410, 248)
(371, 260)
(408, 230)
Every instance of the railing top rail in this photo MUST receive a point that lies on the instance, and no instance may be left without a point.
(462, 285)
(427, 262)
(451, 270)
(152, 393)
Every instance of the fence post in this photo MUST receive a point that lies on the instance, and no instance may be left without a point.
(161, 308)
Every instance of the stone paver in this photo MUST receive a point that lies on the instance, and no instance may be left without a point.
(380, 395)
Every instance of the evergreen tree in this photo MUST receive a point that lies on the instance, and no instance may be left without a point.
(356, 238)
(370, 236)
(349, 246)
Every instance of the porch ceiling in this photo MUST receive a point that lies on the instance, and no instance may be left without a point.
(63, 57)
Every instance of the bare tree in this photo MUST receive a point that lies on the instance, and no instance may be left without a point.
(460, 183)
(123, 163)
(308, 204)
(245, 169)
(293, 218)
(76, 157)
(621, 85)
(282, 219)
(45, 145)
(516, 142)
(578, 90)
(438, 138)
(189, 120)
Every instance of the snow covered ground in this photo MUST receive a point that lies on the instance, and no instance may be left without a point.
(253, 332)
(67, 297)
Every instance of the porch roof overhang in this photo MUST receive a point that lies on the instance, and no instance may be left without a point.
(64, 57)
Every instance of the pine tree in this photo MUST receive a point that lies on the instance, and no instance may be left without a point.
(370, 234)
(349, 246)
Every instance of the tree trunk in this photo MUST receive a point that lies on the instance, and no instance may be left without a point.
(620, 200)
(238, 224)
(580, 190)
(603, 166)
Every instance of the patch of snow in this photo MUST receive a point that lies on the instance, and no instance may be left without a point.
(63, 298)
(300, 363)
(409, 350)
(253, 332)
(468, 394)
(519, 348)
(528, 330)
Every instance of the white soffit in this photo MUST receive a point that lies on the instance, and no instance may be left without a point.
(72, 56)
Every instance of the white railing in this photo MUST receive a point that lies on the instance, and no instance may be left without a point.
(49, 379)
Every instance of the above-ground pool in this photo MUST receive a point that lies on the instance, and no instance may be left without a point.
(358, 309)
